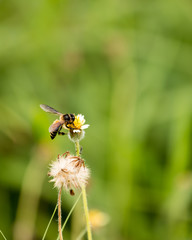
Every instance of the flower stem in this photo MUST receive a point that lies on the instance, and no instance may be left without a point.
(84, 195)
(89, 234)
(74, 205)
(77, 148)
(59, 214)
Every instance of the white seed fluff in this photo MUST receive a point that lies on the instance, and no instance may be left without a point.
(69, 171)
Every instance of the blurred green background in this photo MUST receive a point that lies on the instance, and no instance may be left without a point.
(125, 65)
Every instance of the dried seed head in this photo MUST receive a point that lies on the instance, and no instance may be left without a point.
(69, 171)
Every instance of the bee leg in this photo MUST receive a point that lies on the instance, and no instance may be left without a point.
(61, 133)
(67, 126)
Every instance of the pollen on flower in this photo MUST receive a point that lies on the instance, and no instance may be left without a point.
(69, 172)
(78, 123)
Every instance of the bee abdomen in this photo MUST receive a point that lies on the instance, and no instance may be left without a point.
(53, 134)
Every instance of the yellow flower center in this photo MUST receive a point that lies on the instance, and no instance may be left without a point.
(79, 121)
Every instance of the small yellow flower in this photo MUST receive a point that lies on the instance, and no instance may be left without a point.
(76, 132)
(78, 123)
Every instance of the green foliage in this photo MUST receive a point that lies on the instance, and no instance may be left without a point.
(125, 65)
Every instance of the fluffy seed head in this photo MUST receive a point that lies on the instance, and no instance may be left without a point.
(69, 171)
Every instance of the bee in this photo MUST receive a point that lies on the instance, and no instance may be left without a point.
(64, 120)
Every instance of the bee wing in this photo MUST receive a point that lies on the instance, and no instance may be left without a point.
(55, 126)
(49, 109)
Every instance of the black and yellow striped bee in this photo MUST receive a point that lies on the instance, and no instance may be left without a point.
(65, 120)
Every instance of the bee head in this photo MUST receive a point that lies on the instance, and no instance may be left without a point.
(66, 117)
(72, 117)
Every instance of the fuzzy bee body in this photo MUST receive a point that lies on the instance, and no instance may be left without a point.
(64, 121)
(55, 128)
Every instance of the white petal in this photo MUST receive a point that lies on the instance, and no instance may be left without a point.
(81, 118)
(76, 130)
(85, 126)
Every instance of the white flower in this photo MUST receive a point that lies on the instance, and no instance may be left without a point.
(79, 123)
(77, 132)
(69, 171)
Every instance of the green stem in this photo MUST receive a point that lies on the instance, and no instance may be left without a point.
(3, 235)
(84, 195)
(82, 233)
(49, 223)
(86, 210)
(77, 148)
